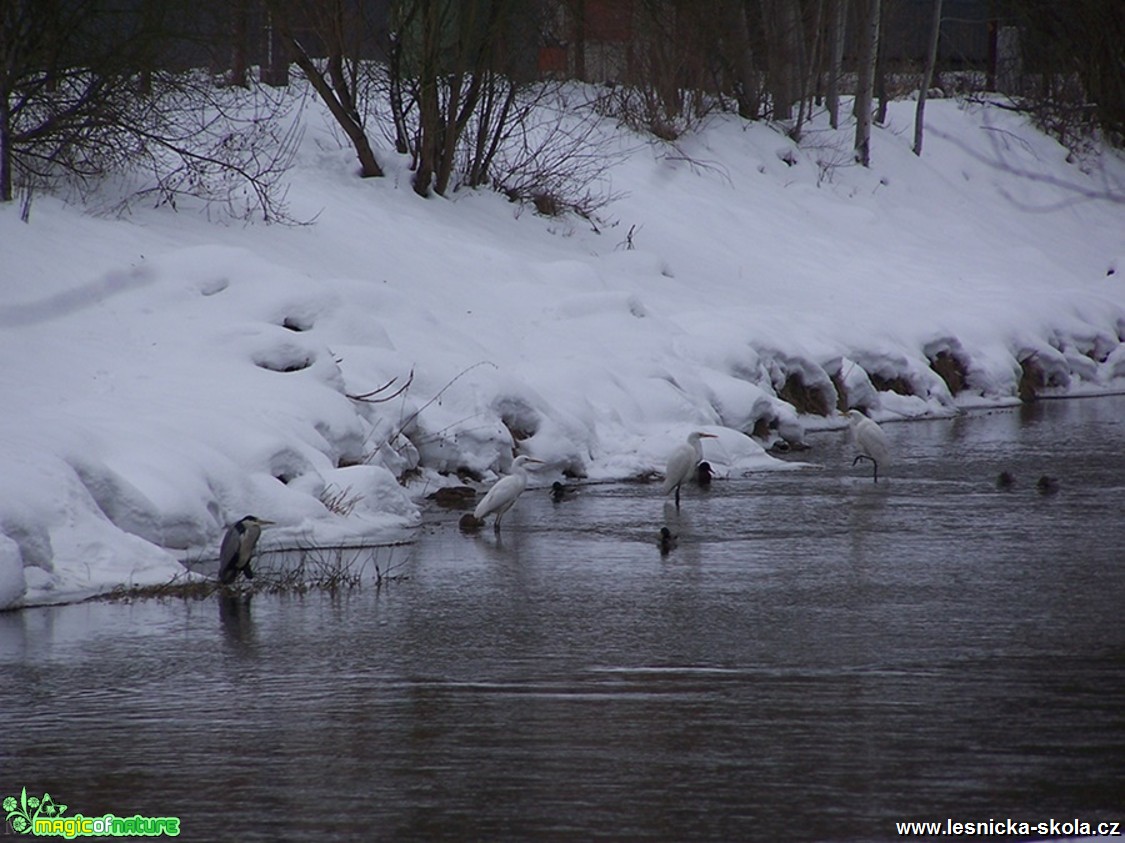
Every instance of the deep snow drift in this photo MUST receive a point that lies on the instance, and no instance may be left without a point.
(165, 375)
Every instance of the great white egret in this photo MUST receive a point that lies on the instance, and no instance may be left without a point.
(238, 546)
(870, 440)
(683, 462)
(502, 495)
(666, 540)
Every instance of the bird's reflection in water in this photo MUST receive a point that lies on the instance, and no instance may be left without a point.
(234, 616)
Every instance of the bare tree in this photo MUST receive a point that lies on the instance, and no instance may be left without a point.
(865, 84)
(783, 54)
(927, 77)
(838, 17)
(1073, 77)
(336, 24)
(82, 95)
(450, 66)
(240, 26)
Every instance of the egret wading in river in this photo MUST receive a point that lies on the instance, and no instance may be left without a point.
(870, 440)
(238, 546)
(683, 462)
(502, 495)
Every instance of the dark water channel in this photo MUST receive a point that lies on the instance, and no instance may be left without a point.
(818, 658)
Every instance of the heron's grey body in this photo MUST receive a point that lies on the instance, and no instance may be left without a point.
(237, 548)
(871, 441)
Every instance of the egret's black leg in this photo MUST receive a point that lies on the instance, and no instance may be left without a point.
(677, 496)
(873, 463)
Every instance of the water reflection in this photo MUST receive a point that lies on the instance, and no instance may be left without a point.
(817, 658)
(234, 617)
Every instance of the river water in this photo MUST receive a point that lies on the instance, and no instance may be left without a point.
(819, 657)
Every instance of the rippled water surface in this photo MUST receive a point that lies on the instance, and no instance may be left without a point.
(819, 657)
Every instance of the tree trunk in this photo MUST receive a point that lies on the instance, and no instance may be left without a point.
(339, 100)
(5, 148)
(881, 74)
(836, 59)
(865, 84)
(429, 105)
(240, 25)
(275, 71)
(810, 71)
(746, 81)
(782, 54)
(579, 39)
(927, 77)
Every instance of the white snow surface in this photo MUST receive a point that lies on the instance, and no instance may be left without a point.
(164, 374)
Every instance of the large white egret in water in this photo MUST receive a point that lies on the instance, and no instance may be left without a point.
(683, 462)
(238, 546)
(871, 441)
(504, 493)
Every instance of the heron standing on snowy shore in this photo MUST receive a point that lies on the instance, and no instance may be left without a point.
(238, 546)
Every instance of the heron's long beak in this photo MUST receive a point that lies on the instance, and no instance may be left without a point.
(262, 522)
(708, 436)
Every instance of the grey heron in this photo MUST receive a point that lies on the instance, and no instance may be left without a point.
(238, 546)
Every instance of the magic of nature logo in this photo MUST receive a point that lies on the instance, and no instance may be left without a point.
(42, 816)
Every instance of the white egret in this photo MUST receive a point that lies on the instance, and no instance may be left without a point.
(238, 546)
(502, 495)
(683, 463)
(870, 440)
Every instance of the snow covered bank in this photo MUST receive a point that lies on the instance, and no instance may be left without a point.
(164, 375)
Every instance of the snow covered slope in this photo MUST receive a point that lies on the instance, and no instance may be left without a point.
(164, 375)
